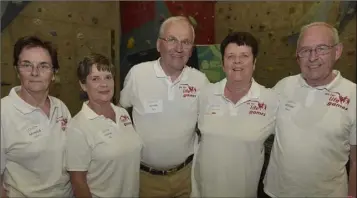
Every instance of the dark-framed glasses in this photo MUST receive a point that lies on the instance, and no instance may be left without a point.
(319, 50)
(43, 67)
(174, 41)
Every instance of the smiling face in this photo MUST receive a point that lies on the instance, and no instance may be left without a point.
(99, 85)
(238, 63)
(173, 50)
(321, 54)
(35, 69)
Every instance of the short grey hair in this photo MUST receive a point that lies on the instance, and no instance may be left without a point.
(335, 35)
(175, 19)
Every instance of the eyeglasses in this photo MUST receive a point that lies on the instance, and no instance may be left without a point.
(174, 41)
(41, 67)
(319, 50)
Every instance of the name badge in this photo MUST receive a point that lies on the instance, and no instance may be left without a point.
(107, 134)
(289, 105)
(153, 106)
(215, 110)
(34, 131)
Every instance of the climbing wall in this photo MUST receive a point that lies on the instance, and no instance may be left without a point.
(76, 28)
(276, 26)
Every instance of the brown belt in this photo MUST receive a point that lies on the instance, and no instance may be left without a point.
(166, 172)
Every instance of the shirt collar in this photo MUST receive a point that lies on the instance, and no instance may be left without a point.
(90, 114)
(253, 93)
(332, 84)
(161, 74)
(23, 106)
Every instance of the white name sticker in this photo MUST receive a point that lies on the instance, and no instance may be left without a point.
(153, 106)
(34, 131)
(214, 109)
(107, 134)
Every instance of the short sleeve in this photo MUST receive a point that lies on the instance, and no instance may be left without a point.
(352, 111)
(275, 102)
(206, 81)
(78, 151)
(3, 155)
(353, 133)
(127, 93)
(279, 87)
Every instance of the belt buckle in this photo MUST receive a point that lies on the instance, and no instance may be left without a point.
(170, 171)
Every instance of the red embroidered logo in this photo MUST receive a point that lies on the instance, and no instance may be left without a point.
(125, 120)
(188, 91)
(337, 100)
(63, 121)
(256, 107)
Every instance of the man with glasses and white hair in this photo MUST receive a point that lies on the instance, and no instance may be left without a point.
(163, 94)
(316, 123)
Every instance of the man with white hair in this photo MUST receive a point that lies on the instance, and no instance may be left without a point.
(316, 123)
(163, 94)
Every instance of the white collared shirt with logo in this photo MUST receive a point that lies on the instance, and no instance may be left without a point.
(164, 113)
(109, 151)
(230, 155)
(33, 147)
(314, 130)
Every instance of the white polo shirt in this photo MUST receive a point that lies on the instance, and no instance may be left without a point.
(231, 152)
(164, 113)
(109, 151)
(33, 147)
(314, 130)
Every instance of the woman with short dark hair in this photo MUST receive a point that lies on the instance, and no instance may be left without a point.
(103, 150)
(236, 116)
(33, 125)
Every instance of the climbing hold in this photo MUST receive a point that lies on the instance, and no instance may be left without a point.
(37, 21)
(94, 20)
(162, 18)
(131, 43)
(261, 27)
(80, 36)
(53, 33)
(193, 21)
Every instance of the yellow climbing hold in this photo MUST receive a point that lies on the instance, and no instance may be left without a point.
(131, 43)
(193, 21)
